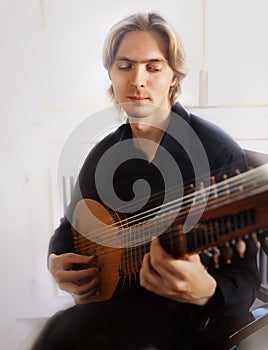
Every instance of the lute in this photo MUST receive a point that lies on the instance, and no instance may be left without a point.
(236, 207)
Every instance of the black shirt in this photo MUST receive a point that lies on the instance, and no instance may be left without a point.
(186, 140)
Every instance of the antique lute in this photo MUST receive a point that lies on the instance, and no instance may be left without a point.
(235, 208)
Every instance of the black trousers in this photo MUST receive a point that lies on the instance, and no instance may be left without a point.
(119, 324)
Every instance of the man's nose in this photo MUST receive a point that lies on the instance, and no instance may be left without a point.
(138, 78)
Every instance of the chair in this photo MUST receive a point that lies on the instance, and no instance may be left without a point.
(257, 318)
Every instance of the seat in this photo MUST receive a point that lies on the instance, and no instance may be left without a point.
(258, 317)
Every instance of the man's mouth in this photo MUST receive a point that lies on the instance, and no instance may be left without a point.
(138, 99)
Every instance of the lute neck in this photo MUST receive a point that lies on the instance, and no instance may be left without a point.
(232, 210)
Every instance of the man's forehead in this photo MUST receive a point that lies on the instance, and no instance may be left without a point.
(142, 46)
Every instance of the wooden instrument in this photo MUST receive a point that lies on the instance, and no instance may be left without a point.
(236, 207)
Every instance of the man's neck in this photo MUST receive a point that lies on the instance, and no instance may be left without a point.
(151, 127)
(147, 137)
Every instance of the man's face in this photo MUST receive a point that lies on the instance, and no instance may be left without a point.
(140, 75)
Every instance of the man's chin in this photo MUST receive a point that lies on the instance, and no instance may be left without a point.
(138, 110)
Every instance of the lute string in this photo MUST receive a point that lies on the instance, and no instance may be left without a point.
(127, 222)
(221, 188)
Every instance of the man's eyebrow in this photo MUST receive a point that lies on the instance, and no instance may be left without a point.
(123, 58)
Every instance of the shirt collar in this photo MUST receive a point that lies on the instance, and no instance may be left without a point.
(171, 137)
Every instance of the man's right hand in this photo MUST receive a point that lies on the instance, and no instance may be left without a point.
(81, 284)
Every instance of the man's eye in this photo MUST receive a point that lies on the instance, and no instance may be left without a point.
(153, 69)
(125, 67)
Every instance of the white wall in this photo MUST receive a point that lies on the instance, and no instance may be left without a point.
(52, 79)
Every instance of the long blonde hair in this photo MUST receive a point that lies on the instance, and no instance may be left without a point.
(147, 22)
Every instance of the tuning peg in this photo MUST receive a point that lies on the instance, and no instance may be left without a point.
(216, 256)
(253, 243)
(214, 190)
(241, 247)
(240, 187)
(226, 187)
(202, 191)
(190, 190)
(227, 252)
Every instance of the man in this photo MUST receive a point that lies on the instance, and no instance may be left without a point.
(173, 303)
